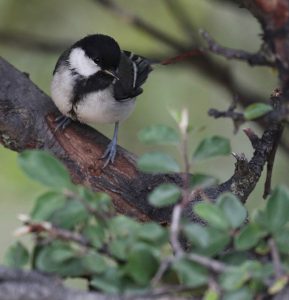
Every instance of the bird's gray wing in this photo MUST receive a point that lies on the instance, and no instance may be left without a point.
(133, 72)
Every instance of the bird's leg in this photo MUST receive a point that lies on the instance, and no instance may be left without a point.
(110, 151)
(62, 122)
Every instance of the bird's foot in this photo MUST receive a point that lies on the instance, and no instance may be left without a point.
(109, 154)
(62, 122)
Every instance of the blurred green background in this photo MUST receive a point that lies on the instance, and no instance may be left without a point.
(61, 22)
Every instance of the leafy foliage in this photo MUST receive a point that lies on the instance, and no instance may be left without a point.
(78, 234)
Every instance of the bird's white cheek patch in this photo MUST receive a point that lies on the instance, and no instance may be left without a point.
(82, 64)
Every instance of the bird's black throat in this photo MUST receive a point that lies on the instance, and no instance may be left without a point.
(86, 85)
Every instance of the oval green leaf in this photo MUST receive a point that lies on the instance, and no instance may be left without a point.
(46, 205)
(277, 209)
(212, 146)
(158, 134)
(44, 168)
(256, 110)
(157, 162)
(248, 237)
(164, 195)
(233, 209)
(201, 181)
(16, 256)
(212, 214)
(141, 264)
(190, 273)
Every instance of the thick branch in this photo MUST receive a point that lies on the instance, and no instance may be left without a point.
(32, 285)
(27, 122)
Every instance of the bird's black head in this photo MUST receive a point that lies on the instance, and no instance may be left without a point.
(102, 49)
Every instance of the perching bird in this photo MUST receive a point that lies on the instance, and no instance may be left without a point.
(94, 81)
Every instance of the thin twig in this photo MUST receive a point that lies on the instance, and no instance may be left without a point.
(209, 263)
(175, 229)
(56, 232)
(162, 269)
(253, 59)
(275, 258)
(237, 118)
(178, 208)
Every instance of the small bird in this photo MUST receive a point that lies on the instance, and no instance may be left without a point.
(94, 81)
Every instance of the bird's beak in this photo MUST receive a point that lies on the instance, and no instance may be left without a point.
(111, 73)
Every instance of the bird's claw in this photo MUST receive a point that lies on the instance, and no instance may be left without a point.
(109, 154)
(62, 122)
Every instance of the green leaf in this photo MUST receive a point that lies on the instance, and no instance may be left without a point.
(241, 294)
(119, 248)
(16, 256)
(212, 146)
(46, 205)
(141, 264)
(156, 162)
(260, 218)
(206, 239)
(59, 258)
(43, 167)
(201, 181)
(256, 110)
(108, 282)
(248, 237)
(152, 232)
(94, 263)
(123, 226)
(164, 195)
(234, 279)
(95, 235)
(212, 214)
(233, 209)
(282, 240)
(218, 240)
(197, 234)
(189, 273)
(158, 134)
(99, 201)
(277, 209)
(255, 269)
(72, 214)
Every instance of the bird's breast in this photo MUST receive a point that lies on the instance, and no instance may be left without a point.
(94, 107)
(101, 107)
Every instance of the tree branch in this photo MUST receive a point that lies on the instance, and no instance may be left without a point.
(32, 285)
(253, 59)
(27, 122)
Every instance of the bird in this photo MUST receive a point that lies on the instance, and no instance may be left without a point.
(95, 82)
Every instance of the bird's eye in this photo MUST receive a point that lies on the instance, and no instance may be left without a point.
(96, 60)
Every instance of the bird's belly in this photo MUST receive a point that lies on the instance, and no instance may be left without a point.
(101, 107)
